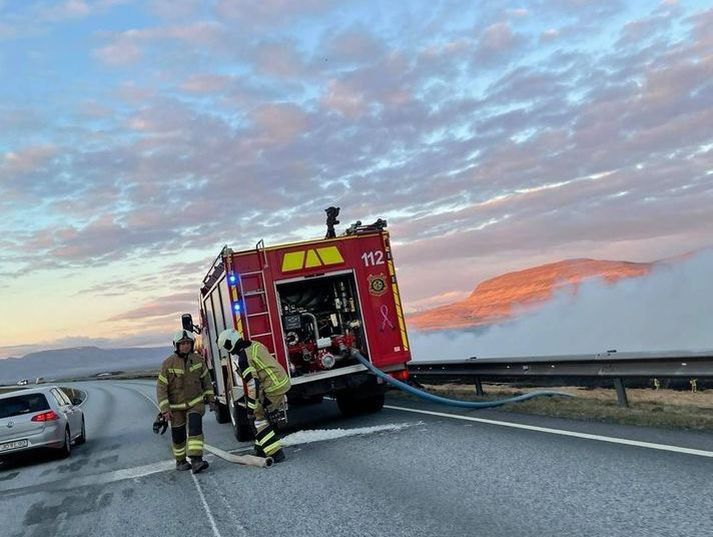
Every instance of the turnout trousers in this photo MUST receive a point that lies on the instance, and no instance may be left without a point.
(187, 433)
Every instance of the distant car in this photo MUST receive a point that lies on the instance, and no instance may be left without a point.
(40, 418)
(40, 380)
(23, 382)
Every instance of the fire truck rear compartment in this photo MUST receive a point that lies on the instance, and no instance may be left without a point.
(321, 317)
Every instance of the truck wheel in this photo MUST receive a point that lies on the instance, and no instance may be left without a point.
(222, 413)
(347, 404)
(351, 404)
(374, 403)
(242, 428)
(306, 401)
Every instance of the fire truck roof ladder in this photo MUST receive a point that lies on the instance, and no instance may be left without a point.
(216, 269)
(260, 291)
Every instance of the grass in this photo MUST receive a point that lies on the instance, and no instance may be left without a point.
(668, 409)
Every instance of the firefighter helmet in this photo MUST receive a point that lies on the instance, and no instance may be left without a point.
(181, 336)
(228, 339)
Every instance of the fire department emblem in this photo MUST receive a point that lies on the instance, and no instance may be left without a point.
(377, 284)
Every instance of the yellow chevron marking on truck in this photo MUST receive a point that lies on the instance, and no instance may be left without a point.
(293, 261)
(314, 257)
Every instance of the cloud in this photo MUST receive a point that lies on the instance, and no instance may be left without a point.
(68, 9)
(640, 30)
(495, 42)
(171, 10)
(206, 83)
(33, 18)
(280, 123)
(356, 45)
(171, 305)
(128, 47)
(8, 31)
(26, 160)
(270, 12)
(279, 59)
(345, 100)
(518, 13)
(549, 34)
(120, 52)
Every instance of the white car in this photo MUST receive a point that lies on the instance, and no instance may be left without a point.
(40, 418)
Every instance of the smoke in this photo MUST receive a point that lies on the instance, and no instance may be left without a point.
(670, 309)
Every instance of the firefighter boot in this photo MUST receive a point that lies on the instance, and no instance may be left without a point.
(198, 464)
(183, 465)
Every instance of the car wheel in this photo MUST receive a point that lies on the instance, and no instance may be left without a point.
(67, 447)
(82, 437)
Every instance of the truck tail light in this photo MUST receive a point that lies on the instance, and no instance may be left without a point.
(46, 416)
(401, 375)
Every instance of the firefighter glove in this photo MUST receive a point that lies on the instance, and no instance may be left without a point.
(160, 425)
(276, 410)
(274, 406)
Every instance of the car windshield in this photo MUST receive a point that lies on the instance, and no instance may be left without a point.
(23, 404)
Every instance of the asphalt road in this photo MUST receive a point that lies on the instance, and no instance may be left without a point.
(408, 473)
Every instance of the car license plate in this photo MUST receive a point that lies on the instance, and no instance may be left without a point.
(13, 445)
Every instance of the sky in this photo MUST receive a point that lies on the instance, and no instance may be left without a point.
(138, 137)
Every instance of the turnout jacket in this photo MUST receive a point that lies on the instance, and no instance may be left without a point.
(262, 374)
(183, 383)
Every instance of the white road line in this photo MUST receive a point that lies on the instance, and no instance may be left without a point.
(216, 533)
(235, 525)
(612, 440)
(126, 473)
(103, 479)
(148, 398)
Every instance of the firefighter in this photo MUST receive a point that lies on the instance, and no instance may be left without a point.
(266, 384)
(182, 389)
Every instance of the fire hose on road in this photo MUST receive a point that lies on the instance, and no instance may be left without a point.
(445, 400)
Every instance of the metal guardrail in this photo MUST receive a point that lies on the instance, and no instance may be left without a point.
(613, 365)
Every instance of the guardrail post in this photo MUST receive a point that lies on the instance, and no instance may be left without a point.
(621, 392)
(478, 387)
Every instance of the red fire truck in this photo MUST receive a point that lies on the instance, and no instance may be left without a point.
(310, 303)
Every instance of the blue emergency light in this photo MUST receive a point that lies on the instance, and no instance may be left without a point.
(236, 307)
(232, 279)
